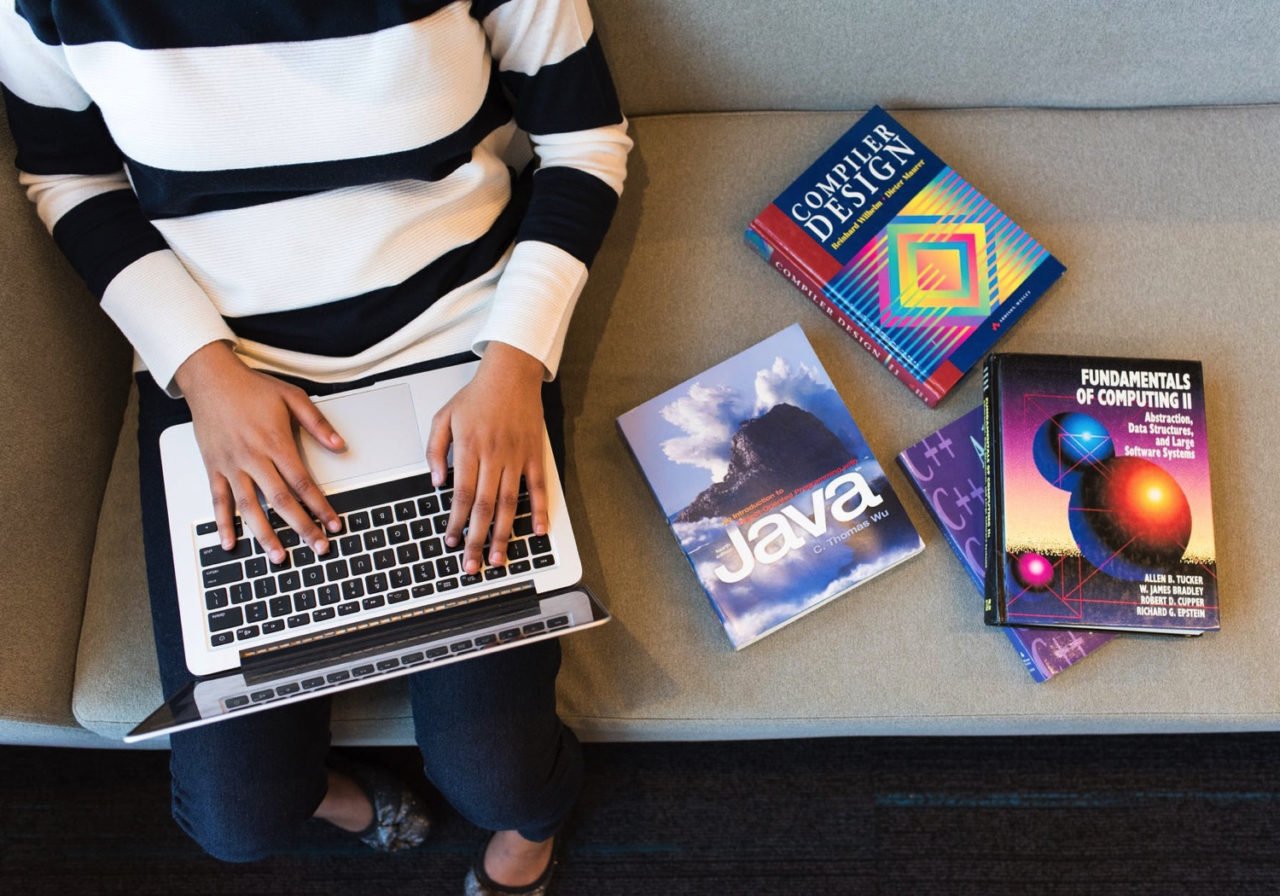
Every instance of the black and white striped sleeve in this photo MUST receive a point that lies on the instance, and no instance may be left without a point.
(550, 61)
(74, 174)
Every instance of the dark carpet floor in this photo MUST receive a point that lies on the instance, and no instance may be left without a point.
(1044, 816)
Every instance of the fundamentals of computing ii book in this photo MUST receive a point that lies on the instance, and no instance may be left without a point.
(769, 486)
(904, 254)
(945, 468)
(1099, 512)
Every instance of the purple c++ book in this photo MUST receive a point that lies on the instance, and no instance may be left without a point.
(945, 468)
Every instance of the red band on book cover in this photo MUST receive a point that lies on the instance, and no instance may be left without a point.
(804, 251)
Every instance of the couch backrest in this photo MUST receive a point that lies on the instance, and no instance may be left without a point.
(696, 55)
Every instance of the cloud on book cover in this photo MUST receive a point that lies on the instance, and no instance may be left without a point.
(710, 415)
(766, 615)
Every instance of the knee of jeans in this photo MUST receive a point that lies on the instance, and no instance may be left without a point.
(235, 830)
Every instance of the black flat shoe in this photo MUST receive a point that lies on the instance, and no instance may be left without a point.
(400, 819)
(479, 884)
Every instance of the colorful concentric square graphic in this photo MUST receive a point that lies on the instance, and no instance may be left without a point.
(938, 272)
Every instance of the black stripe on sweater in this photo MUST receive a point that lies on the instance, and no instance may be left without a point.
(104, 235)
(174, 24)
(165, 193)
(574, 94)
(60, 141)
(570, 209)
(347, 327)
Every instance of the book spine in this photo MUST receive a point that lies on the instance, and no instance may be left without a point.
(993, 597)
(802, 278)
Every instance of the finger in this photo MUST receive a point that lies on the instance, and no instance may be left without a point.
(304, 488)
(465, 472)
(224, 513)
(482, 509)
(255, 521)
(535, 477)
(438, 445)
(314, 422)
(504, 516)
(282, 500)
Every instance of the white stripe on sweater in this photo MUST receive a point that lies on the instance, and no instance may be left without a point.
(289, 103)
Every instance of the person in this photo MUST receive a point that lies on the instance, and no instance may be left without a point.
(279, 200)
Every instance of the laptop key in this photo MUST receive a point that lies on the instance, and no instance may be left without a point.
(375, 540)
(256, 611)
(220, 639)
(533, 628)
(259, 696)
(244, 634)
(271, 626)
(359, 521)
(289, 581)
(360, 565)
(215, 599)
(407, 554)
(223, 575)
(241, 592)
(215, 554)
(350, 544)
(382, 516)
(446, 584)
(494, 572)
(300, 619)
(424, 571)
(436, 652)
(323, 614)
(237, 702)
(221, 620)
(398, 534)
(460, 646)
(255, 567)
(440, 523)
(386, 665)
(384, 559)
(373, 603)
(329, 595)
(286, 689)
(348, 608)
(399, 577)
(447, 566)
(431, 547)
(281, 606)
(335, 677)
(396, 597)
(522, 526)
(420, 528)
(519, 567)
(352, 589)
(509, 634)
(304, 600)
(336, 570)
(376, 583)
(264, 587)
(288, 537)
(486, 640)
(206, 528)
(313, 575)
(428, 504)
(557, 622)
(304, 556)
(540, 544)
(366, 669)
(313, 683)
(542, 561)
(517, 550)
(405, 510)
(420, 591)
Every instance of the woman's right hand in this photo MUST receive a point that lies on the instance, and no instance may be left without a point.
(244, 424)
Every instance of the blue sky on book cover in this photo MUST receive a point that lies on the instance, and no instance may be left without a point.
(945, 468)
(769, 486)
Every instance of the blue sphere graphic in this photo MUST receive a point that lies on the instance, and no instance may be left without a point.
(1067, 445)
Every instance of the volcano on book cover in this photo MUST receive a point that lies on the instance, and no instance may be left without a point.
(769, 486)
(1100, 509)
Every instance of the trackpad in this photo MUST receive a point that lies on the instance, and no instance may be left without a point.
(381, 429)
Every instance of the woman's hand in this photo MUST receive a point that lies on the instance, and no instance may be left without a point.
(496, 427)
(244, 423)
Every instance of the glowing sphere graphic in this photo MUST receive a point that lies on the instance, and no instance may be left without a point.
(1066, 445)
(1130, 517)
(1032, 571)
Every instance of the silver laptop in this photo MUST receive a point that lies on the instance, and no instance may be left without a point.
(390, 598)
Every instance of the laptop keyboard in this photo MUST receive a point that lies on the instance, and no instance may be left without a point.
(390, 553)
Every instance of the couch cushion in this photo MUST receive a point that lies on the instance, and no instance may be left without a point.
(677, 56)
(1165, 221)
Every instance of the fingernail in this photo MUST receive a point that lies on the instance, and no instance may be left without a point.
(451, 541)
(227, 544)
(335, 440)
(495, 558)
(436, 478)
(321, 546)
(277, 556)
(335, 526)
(540, 529)
(473, 566)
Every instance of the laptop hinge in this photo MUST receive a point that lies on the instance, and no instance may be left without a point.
(446, 616)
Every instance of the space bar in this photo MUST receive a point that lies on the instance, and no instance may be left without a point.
(382, 493)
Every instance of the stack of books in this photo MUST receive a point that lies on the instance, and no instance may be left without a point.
(1076, 498)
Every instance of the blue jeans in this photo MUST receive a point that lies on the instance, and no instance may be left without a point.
(490, 737)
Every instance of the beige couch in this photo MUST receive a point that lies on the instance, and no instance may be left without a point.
(1138, 145)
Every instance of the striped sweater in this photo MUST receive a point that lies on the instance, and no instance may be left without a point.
(331, 186)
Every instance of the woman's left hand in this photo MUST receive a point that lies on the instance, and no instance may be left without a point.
(495, 425)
